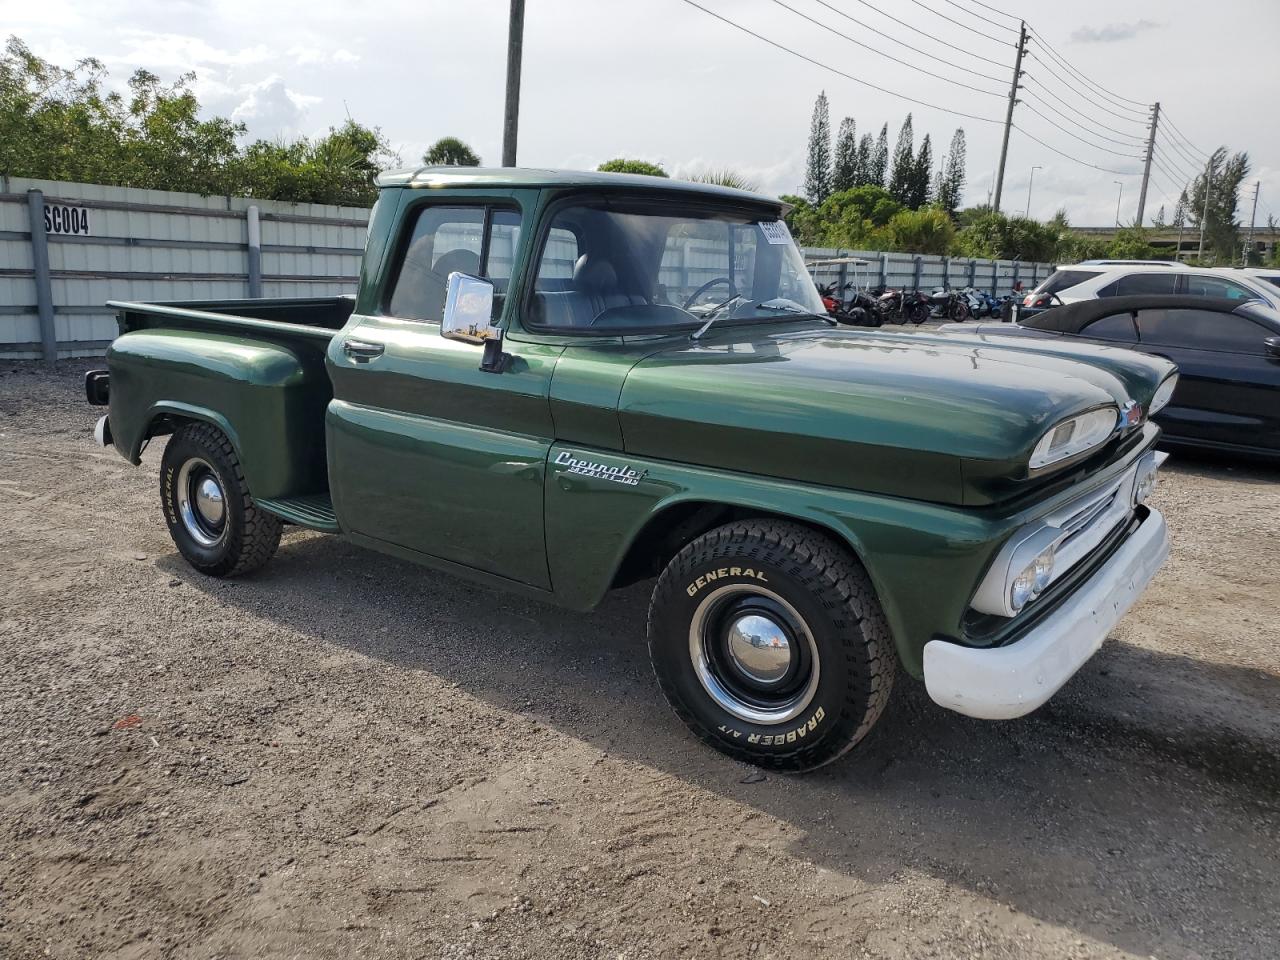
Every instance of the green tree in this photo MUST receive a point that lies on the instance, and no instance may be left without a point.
(817, 173)
(997, 237)
(623, 165)
(921, 173)
(802, 220)
(863, 173)
(1222, 231)
(61, 124)
(879, 168)
(852, 218)
(1158, 220)
(928, 230)
(1131, 243)
(450, 152)
(951, 184)
(844, 173)
(902, 167)
(724, 177)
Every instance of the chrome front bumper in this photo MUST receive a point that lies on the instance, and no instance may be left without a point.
(1003, 682)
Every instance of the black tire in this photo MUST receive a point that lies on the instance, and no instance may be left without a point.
(919, 313)
(959, 312)
(246, 537)
(826, 605)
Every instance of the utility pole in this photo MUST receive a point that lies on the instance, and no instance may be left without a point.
(1029, 184)
(1253, 218)
(1208, 183)
(1146, 170)
(1008, 117)
(511, 121)
(1119, 196)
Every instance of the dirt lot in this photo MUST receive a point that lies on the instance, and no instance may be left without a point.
(348, 756)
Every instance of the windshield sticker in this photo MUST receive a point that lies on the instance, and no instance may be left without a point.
(775, 232)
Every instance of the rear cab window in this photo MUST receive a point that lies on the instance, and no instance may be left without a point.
(1202, 330)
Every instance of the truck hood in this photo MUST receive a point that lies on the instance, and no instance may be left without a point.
(942, 418)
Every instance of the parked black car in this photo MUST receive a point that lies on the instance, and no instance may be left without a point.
(1227, 352)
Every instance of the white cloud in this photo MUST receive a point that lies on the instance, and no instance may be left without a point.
(309, 56)
(1112, 32)
(270, 109)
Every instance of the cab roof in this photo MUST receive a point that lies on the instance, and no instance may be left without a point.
(447, 177)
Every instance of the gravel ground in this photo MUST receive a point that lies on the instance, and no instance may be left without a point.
(348, 756)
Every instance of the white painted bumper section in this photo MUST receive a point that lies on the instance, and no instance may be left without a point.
(1010, 681)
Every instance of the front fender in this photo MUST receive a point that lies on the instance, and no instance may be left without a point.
(924, 559)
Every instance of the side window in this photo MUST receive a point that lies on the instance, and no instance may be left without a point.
(1118, 327)
(1110, 290)
(1146, 283)
(1198, 285)
(445, 240)
(1201, 330)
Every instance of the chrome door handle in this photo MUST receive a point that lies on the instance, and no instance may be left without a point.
(362, 350)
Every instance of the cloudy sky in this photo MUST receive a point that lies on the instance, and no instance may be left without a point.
(665, 81)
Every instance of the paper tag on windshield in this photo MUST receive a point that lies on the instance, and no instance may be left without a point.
(775, 232)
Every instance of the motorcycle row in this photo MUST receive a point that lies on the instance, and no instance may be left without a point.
(856, 306)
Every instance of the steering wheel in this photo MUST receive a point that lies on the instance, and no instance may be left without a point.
(707, 286)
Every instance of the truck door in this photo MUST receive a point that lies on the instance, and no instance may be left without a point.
(426, 451)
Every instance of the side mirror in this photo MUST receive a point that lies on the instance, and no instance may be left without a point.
(468, 310)
(468, 316)
(1272, 346)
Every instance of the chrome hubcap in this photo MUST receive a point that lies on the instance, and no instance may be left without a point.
(201, 502)
(209, 500)
(759, 648)
(753, 654)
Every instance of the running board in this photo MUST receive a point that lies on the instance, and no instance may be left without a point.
(314, 511)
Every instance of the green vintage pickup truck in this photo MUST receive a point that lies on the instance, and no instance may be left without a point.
(561, 383)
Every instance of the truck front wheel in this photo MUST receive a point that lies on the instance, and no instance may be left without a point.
(768, 641)
(212, 518)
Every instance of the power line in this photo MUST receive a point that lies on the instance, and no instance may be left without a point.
(1085, 163)
(893, 39)
(905, 63)
(1074, 136)
(1182, 136)
(1161, 167)
(1088, 130)
(994, 10)
(1042, 89)
(830, 69)
(1181, 154)
(916, 30)
(1177, 168)
(1115, 97)
(963, 26)
(1090, 99)
(1000, 26)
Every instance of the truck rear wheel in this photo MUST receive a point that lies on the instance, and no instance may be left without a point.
(212, 518)
(768, 641)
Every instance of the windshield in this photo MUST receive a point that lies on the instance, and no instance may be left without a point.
(612, 266)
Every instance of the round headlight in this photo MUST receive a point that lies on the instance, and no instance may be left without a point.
(1042, 569)
(1023, 588)
(1164, 393)
(1144, 484)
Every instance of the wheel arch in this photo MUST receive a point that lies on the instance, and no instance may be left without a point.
(165, 416)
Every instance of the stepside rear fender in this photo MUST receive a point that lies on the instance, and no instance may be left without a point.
(268, 398)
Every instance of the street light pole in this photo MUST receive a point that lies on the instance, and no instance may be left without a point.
(1118, 197)
(1029, 183)
(511, 119)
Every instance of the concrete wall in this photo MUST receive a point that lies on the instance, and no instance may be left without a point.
(160, 245)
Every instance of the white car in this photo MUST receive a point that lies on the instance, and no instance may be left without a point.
(1083, 281)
